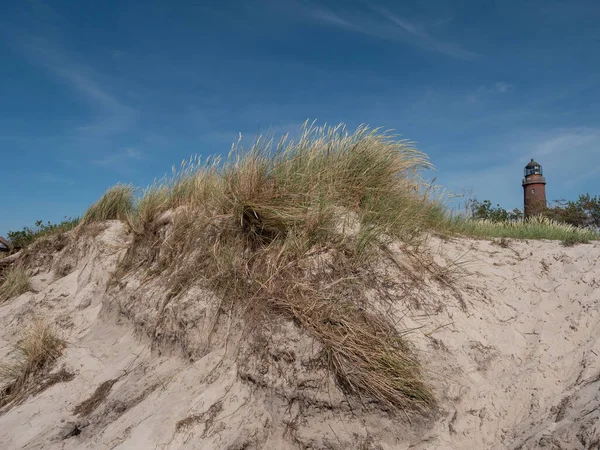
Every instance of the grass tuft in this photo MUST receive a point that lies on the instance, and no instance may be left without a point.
(284, 229)
(13, 283)
(34, 355)
(116, 203)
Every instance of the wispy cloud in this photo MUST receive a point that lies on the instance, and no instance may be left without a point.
(88, 87)
(110, 113)
(562, 144)
(333, 19)
(423, 38)
(382, 23)
(571, 152)
(117, 160)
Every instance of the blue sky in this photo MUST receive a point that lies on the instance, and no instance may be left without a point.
(99, 92)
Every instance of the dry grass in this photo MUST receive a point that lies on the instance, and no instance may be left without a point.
(33, 358)
(116, 203)
(291, 229)
(14, 282)
(86, 407)
(366, 353)
(276, 187)
(208, 418)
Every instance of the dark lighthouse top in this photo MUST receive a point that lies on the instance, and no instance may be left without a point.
(533, 168)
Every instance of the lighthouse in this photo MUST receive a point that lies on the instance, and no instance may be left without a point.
(534, 189)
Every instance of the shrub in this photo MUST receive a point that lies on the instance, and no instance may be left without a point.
(26, 236)
(485, 211)
(583, 212)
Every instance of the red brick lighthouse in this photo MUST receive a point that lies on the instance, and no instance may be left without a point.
(534, 189)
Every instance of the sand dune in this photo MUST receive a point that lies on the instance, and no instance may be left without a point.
(509, 338)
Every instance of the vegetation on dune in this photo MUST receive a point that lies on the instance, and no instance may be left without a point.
(296, 228)
(32, 359)
(581, 213)
(538, 227)
(484, 210)
(571, 222)
(13, 282)
(303, 184)
(285, 229)
(28, 235)
(116, 203)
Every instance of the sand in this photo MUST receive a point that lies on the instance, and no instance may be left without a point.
(509, 337)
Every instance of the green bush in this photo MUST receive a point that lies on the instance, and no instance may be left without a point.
(28, 235)
(485, 211)
(583, 212)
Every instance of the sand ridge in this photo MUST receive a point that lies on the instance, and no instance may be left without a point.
(511, 351)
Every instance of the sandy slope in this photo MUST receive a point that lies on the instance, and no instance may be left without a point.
(512, 350)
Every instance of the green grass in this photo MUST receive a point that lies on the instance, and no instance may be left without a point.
(532, 228)
(116, 203)
(13, 283)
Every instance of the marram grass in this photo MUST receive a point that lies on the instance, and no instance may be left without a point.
(32, 358)
(537, 227)
(13, 283)
(116, 203)
(247, 226)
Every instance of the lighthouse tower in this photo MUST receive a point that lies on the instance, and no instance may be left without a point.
(534, 189)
